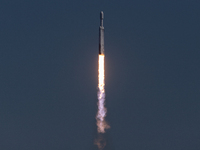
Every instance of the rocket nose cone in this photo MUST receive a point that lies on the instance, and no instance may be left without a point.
(101, 15)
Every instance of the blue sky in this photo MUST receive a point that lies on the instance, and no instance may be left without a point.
(49, 60)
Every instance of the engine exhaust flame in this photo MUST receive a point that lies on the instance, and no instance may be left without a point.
(101, 114)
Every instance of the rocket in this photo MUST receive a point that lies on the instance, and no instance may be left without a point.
(101, 35)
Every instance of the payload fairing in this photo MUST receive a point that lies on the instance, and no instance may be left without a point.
(101, 35)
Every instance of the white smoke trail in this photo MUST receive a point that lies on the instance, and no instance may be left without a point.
(101, 114)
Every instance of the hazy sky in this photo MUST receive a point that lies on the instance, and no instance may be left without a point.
(48, 74)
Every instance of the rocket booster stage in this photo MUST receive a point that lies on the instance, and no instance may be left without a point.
(101, 35)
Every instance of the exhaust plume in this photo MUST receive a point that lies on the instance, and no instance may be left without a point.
(101, 114)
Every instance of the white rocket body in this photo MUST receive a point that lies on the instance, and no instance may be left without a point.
(101, 35)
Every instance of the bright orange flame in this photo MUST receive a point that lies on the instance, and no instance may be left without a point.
(101, 114)
(101, 74)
